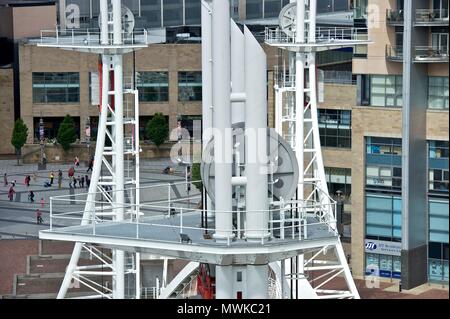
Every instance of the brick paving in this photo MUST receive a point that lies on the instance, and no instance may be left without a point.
(13, 256)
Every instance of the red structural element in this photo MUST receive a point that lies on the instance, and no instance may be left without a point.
(100, 78)
(111, 84)
(111, 87)
(205, 283)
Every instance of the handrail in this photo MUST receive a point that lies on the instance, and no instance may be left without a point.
(323, 35)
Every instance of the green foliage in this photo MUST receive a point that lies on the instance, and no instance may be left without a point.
(157, 129)
(19, 135)
(66, 133)
(196, 177)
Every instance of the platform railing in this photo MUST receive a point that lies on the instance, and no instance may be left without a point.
(89, 37)
(323, 35)
(287, 220)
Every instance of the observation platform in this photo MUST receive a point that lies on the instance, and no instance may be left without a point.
(162, 227)
(89, 40)
(325, 39)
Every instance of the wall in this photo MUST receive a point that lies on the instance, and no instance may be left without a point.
(6, 110)
(29, 21)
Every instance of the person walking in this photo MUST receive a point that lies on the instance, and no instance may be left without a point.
(81, 181)
(77, 161)
(60, 177)
(5, 179)
(75, 182)
(52, 177)
(39, 219)
(31, 196)
(91, 165)
(11, 193)
(88, 182)
(27, 181)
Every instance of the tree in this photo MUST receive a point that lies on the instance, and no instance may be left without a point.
(19, 136)
(157, 129)
(66, 133)
(196, 177)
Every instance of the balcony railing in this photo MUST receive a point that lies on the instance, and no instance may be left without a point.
(430, 54)
(394, 53)
(431, 16)
(394, 17)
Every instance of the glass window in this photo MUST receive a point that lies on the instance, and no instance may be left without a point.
(438, 92)
(193, 12)
(438, 180)
(438, 149)
(339, 179)
(190, 86)
(153, 86)
(172, 12)
(372, 264)
(151, 13)
(385, 266)
(438, 221)
(335, 128)
(383, 216)
(56, 87)
(272, 8)
(386, 90)
(254, 9)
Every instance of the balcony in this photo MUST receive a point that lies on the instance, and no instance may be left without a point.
(394, 17)
(430, 54)
(431, 17)
(394, 53)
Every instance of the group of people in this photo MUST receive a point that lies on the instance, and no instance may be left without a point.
(81, 181)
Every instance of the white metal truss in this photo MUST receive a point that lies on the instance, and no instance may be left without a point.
(117, 151)
(297, 121)
(121, 264)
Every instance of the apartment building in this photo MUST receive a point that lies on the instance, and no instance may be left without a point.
(399, 143)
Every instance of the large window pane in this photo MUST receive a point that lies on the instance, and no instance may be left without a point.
(193, 12)
(151, 12)
(254, 9)
(272, 8)
(189, 86)
(438, 92)
(335, 128)
(386, 90)
(173, 12)
(56, 87)
(153, 86)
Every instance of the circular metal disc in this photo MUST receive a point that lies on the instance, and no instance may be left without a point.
(281, 157)
(287, 19)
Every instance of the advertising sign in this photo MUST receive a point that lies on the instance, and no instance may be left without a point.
(383, 247)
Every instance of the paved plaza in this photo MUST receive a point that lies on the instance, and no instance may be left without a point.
(18, 217)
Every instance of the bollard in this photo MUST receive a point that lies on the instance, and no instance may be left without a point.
(400, 286)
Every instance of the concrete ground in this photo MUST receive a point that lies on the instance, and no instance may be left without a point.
(17, 217)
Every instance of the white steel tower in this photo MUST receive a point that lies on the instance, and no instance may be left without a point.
(117, 147)
(260, 229)
(296, 115)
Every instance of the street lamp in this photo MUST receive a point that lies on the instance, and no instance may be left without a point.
(43, 162)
